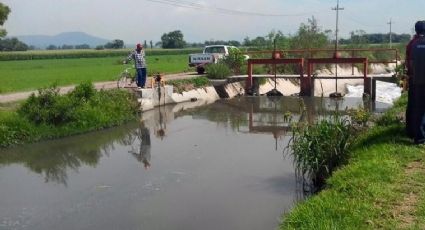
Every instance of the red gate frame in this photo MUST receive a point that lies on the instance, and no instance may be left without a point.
(313, 61)
(278, 61)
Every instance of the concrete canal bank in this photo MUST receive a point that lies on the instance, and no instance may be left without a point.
(152, 97)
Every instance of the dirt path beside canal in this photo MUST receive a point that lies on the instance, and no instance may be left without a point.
(13, 97)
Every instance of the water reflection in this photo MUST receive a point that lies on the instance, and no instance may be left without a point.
(54, 159)
(275, 115)
(258, 115)
(162, 125)
(142, 134)
(144, 153)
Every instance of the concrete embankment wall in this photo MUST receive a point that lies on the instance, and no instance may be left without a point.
(150, 98)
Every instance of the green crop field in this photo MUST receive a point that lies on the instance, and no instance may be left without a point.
(89, 53)
(28, 75)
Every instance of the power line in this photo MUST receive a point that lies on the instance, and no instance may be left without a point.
(194, 5)
(353, 19)
(361, 23)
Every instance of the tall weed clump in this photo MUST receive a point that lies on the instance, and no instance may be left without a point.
(218, 71)
(319, 148)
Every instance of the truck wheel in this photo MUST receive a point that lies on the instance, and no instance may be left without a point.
(200, 70)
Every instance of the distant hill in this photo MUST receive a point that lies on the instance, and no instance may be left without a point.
(68, 38)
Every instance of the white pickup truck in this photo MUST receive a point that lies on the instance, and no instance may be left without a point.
(210, 55)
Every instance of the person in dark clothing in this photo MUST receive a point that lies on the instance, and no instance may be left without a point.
(416, 102)
(409, 72)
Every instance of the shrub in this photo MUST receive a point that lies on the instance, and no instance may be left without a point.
(84, 105)
(235, 60)
(48, 107)
(83, 91)
(218, 71)
(318, 149)
(50, 115)
(360, 116)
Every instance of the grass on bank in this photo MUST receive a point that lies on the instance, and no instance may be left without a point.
(51, 115)
(33, 74)
(188, 84)
(381, 187)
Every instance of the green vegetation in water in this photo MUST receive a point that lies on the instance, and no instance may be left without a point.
(50, 115)
(189, 84)
(33, 74)
(381, 187)
(319, 148)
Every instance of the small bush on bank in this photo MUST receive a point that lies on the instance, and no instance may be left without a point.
(83, 91)
(318, 149)
(48, 107)
(218, 71)
(235, 61)
(50, 115)
(360, 116)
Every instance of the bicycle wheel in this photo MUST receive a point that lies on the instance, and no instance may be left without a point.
(124, 80)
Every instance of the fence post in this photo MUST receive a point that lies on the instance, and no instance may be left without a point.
(248, 84)
(306, 82)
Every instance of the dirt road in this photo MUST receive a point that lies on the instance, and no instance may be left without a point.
(12, 97)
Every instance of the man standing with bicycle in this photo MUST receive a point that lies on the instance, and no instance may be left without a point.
(138, 55)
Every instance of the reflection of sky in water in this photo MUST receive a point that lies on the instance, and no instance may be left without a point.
(219, 166)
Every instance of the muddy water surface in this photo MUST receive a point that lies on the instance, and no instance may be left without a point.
(217, 166)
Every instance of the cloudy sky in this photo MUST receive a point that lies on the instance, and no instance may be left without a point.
(200, 20)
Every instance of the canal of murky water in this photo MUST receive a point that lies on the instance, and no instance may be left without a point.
(187, 166)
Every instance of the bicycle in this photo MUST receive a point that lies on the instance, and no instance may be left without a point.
(125, 79)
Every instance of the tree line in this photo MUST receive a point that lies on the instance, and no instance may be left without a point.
(361, 37)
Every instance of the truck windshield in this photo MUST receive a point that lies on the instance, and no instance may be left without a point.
(215, 49)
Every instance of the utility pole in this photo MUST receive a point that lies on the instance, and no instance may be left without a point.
(337, 9)
(391, 32)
